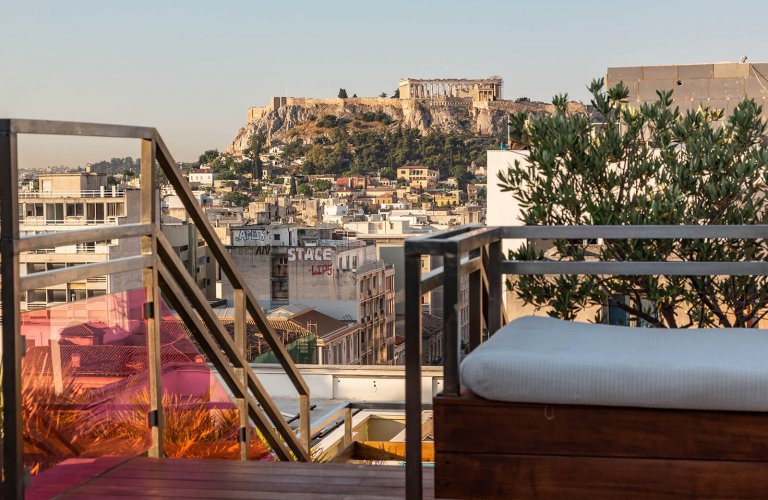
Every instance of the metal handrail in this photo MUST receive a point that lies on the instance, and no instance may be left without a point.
(486, 272)
(160, 269)
(85, 193)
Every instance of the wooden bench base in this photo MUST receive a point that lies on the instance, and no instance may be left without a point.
(509, 450)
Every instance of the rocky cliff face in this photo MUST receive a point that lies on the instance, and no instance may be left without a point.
(288, 118)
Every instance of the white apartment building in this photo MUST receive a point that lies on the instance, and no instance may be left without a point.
(203, 177)
(65, 202)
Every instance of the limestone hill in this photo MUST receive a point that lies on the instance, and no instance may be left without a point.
(288, 118)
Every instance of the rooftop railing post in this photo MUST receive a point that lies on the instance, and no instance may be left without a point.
(347, 425)
(241, 341)
(413, 337)
(12, 443)
(304, 422)
(495, 302)
(150, 215)
(475, 309)
(451, 337)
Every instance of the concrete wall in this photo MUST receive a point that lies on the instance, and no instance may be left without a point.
(317, 283)
(719, 85)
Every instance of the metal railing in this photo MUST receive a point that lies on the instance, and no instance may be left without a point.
(86, 193)
(477, 251)
(161, 270)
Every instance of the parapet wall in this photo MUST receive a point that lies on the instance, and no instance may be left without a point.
(718, 85)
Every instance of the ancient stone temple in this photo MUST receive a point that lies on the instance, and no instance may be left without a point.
(485, 89)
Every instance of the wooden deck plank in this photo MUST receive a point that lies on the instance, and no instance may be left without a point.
(99, 493)
(183, 478)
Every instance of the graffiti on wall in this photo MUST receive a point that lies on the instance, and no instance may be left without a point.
(309, 253)
(250, 235)
(322, 270)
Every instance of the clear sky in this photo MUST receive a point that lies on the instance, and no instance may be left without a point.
(192, 68)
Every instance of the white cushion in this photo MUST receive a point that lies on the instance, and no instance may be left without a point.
(546, 360)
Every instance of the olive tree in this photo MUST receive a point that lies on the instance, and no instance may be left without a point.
(651, 164)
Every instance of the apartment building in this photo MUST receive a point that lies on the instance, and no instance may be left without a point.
(419, 176)
(389, 236)
(202, 177)
(65, 202)
(340, 278)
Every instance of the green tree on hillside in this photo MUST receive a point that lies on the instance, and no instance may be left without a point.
(237, 198)
(342, 93)
(293, 190)
(208, 156)
(328, 121)
(321, 185)
(304, 189)
(646, 165)
(255, 147)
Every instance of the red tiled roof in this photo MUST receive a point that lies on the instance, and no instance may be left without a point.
(83, 330)
(102, 360)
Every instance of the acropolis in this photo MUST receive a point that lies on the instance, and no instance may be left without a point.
(484, 89)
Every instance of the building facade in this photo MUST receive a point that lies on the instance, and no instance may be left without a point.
(66, 202)
(419, 176)
(339, 278)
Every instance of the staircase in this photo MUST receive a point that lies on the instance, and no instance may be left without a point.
(162, 271)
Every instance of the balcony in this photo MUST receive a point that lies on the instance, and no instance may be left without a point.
(86, 193)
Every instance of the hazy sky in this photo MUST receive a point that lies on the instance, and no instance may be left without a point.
(192, 68)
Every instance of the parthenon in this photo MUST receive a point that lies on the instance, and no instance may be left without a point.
(485, 89)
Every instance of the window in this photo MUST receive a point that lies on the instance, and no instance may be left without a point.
(276, 237)
(55, 211)
(354, 261)
(34, 209)
(280, 267)
(280, 290)
(35, 267)
(53, 266)
(57, 295)
(95, 293)
(75, 210)
(75, 295)
(38, 295)
(115, 210)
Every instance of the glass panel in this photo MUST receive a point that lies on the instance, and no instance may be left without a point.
(84, 377)
(200, 417)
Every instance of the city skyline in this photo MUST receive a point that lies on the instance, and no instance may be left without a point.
(193, 72)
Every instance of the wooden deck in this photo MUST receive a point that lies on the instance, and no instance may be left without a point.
(189, 478)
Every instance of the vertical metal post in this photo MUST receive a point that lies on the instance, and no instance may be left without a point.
(150, 215)
(413, 335)
(241, 342)
(494, 287)
(347, 425)
(13, 445)
(304, 421)
(475, 309)
(451, 337)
